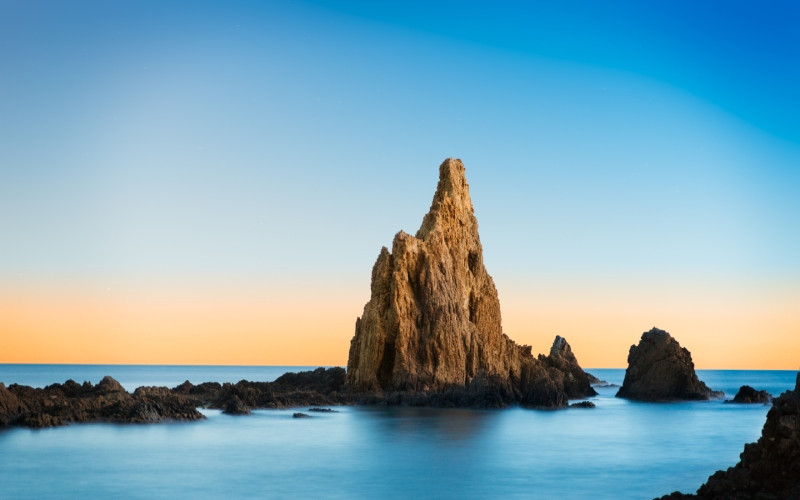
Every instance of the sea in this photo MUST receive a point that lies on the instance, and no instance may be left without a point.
(617, 450)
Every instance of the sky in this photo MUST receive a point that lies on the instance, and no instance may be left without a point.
(211, 182)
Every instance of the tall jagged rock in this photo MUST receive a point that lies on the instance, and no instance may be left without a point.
(659, 369)
(433, 321)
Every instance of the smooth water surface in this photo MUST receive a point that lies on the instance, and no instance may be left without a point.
(619, 449)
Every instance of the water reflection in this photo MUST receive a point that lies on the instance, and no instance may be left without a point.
(444, 425)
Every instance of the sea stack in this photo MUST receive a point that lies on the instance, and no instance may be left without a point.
(659, 369)
(432, 325)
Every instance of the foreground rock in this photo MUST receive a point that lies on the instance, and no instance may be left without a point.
(61, 404)
(431, 332)
(659, 369)
(748, 395)
(769, 468)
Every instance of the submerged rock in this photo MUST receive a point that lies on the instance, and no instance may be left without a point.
(582, 404)
(748, 395)
(300, 415)
(768, 468)
(431, 332)
(659, 369)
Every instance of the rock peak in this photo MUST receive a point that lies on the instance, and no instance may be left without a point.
(453, 178)
(560, 346)
(451, 205)
(432, 324)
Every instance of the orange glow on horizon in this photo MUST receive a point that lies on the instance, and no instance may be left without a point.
(306, 325)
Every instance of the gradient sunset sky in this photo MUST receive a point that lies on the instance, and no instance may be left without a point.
(211, 182)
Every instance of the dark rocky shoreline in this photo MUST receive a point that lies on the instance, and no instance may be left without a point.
(108, 401)
(767, 469)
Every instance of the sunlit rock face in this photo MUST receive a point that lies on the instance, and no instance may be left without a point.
(433, 321)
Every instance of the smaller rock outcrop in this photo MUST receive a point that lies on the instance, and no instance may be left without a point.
(748, 395)
(768, 468)
(659, 369)
(582, 404)
(577, 383)
(300, 415)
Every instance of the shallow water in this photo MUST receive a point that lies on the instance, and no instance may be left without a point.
(619, 449)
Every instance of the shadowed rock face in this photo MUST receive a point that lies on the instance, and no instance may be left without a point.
(433, 321)
(748, 395)
(659, 369)
(770, 467)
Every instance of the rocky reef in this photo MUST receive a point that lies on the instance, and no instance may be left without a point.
(431, 332)
(659, 369)
(768, 468)
(108, 401)
(748, 395)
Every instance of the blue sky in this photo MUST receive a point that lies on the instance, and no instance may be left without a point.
(609, 145)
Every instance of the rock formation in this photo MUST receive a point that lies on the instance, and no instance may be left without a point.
(11, 408)
(60, 404)
(322, 386)
(577, 383)
(431, 331)
(748, 395)
(768, 468)
(659, 369)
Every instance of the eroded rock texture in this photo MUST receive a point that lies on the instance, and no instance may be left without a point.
(432, 327)
(659, 369)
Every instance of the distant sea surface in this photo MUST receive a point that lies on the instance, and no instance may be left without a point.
(619, 449)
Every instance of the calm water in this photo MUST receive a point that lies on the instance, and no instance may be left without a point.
(617, 450)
